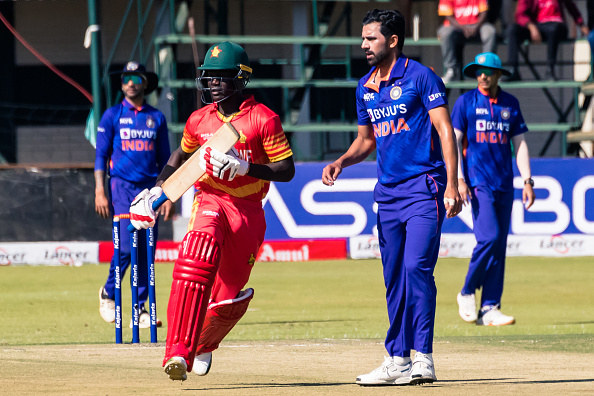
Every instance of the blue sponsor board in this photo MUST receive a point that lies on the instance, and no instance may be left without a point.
(306, 208)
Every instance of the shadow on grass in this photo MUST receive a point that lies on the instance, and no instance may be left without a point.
(295, 322)
(271, 385)
(313, 385)
(507, 381)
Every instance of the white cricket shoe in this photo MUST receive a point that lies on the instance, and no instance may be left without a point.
(467, 307)
(202, 363)
(423, 371)
(176, 368)
(106, 306)
(389, 373)
(492, 316)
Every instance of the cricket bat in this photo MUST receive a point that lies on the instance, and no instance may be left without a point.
(186, 175)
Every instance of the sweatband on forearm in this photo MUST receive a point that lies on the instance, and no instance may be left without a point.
(167, 171)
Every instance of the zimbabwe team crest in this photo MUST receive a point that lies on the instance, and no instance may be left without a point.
(395, 93)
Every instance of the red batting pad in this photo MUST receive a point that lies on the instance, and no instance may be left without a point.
(193, 276)
(220, 319)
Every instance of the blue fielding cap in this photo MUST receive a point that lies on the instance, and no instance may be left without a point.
(486, 59)
(136, 68)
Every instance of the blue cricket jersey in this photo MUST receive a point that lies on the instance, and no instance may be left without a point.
(407, 143)
(488, 126)
(136, 140)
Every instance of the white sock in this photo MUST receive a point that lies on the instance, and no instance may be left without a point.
(401, 361)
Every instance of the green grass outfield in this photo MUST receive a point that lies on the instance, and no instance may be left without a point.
(551, 298)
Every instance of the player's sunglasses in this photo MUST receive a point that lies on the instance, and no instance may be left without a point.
(132, 77)
(486, 72)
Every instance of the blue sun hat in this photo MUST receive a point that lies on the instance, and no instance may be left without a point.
(486, 59)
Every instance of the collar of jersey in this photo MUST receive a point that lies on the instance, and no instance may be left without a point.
(131, 106)
(246, 104)
(485, 93)
(397, 72)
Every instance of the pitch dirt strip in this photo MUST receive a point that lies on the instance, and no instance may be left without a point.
(296, 368)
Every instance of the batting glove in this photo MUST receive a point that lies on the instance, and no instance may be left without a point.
(223, 166)
(142, 214)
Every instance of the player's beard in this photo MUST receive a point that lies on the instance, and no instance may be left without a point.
(133, 94)
(378, 58)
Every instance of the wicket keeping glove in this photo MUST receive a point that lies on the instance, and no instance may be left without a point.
(142, 214)
(223, 166)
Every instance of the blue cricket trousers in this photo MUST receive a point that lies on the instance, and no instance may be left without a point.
(122, 195)
(409, 219)
(491, 215)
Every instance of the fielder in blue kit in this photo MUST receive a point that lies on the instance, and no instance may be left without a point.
(132, 139)
(403, 113)
(487, 121)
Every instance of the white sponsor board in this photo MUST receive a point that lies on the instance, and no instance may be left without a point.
(49, 253)
(364, 247)
(461, 245)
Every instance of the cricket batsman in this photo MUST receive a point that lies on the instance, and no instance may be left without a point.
(227, 224)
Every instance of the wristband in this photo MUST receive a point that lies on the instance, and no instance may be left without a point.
(529, 181)
(167, 171)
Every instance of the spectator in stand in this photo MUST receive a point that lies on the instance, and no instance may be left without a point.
(464, 20)
(502, 10)
(537, 20)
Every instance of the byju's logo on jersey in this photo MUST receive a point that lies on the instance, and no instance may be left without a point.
(385, 112)
(127, 134)
(434, 96)
(368, 96)
(484, 125)
(481, 111)
(395, 93)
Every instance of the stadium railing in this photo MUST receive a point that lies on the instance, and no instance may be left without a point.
(563, 125)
